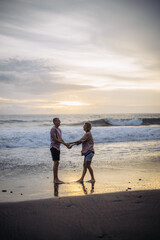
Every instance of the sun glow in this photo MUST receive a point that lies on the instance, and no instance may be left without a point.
(73, 103)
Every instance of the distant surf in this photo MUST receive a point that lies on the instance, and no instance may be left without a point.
(122, 122)
(18, 121)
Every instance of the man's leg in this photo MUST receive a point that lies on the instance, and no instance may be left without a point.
(55, 172)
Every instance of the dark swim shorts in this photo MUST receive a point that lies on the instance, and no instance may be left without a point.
(55, 154)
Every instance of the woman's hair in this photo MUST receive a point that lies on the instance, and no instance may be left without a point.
(88, 125)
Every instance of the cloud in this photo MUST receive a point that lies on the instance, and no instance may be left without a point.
(25, 65)
(57, 49)
(37, 77)
(118, 25)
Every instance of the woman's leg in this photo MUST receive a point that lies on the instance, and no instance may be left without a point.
(91, 171)
(84, 171)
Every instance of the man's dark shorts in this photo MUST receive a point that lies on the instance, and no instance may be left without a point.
(55, 154)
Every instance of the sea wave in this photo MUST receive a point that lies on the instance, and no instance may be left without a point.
(122, 122)
(15, 138)
(18, 121)
(103, 122)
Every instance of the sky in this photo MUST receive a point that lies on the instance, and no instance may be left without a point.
(79, 56)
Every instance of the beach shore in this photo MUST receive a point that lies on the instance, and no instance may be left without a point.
(26, 187)
(120, 215)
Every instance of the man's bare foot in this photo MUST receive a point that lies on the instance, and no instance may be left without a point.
(58, 181)
(80, 181)
(92, 181)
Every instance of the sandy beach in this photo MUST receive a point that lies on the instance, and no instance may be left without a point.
(121, 215)
(123, 204)
(40, 185)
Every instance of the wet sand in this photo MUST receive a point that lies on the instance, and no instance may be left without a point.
(40, 185)
(120, 215)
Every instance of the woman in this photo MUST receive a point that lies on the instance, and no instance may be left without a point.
(87, 151)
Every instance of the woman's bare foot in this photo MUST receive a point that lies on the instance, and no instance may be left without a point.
(58, 181)
(80, 180)
(92, 181)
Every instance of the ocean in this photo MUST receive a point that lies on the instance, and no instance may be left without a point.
(122, 142)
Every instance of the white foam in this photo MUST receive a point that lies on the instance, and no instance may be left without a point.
(125, 122)
(35, 137)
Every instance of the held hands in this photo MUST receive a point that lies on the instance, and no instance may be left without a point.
(70, 145)
(67, 145)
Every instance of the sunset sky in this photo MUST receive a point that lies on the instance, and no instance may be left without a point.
(79, 56)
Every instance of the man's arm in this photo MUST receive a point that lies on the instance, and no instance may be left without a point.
(60, 141)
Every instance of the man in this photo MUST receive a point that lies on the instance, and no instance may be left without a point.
(56, 140)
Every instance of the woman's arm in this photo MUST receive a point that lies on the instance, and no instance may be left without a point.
(76, 142)
(83, 139)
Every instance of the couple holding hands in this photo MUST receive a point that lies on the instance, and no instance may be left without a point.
(87, 149)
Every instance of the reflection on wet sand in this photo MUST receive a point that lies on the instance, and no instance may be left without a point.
(56, 189)
(84, 188)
